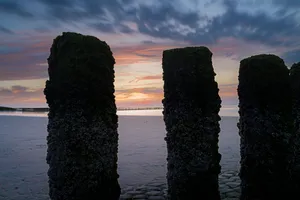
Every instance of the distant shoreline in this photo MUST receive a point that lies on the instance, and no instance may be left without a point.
(47, 109)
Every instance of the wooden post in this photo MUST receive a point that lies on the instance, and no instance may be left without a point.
(83, 138)
(295, 141)
(191, 106)
(265, 127)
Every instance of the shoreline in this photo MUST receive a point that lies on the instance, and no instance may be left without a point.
(155, 112)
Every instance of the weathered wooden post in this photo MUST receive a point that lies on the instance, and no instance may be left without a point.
(295, 84)
(265, 127)
(191, 106)
(82, 128)
(295, 141)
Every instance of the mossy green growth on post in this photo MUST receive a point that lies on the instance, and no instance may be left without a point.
(191, 106)
(82, 129)
(265, 127)
(295, 141)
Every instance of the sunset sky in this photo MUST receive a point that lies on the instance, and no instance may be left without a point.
(137, 32)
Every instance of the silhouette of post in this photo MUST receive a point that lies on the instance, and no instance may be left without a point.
(265, 127)
(295, 141)
(82, 129)
(295, 84)
(191, 106)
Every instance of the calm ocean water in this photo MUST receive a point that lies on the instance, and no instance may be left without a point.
(142, 150)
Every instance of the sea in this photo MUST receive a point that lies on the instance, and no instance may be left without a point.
(141, 158)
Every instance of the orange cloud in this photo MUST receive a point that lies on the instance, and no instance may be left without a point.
(151, 77)
(139, 97)
(149, 96)
(228, 90)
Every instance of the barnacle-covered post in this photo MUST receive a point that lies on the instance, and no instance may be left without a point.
(295, 141)
(265, 127)
(191, 114)
(82, 129)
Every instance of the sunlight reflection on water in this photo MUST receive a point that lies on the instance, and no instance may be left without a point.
(25, 114)
(225, 111)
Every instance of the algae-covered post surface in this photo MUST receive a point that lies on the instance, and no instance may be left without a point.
(82, 129)
(265, 127)
(191, 114)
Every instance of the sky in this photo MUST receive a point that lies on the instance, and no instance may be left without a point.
(138, 31)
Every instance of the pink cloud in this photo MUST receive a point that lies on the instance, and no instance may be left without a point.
(19, 96)
(31, 63)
